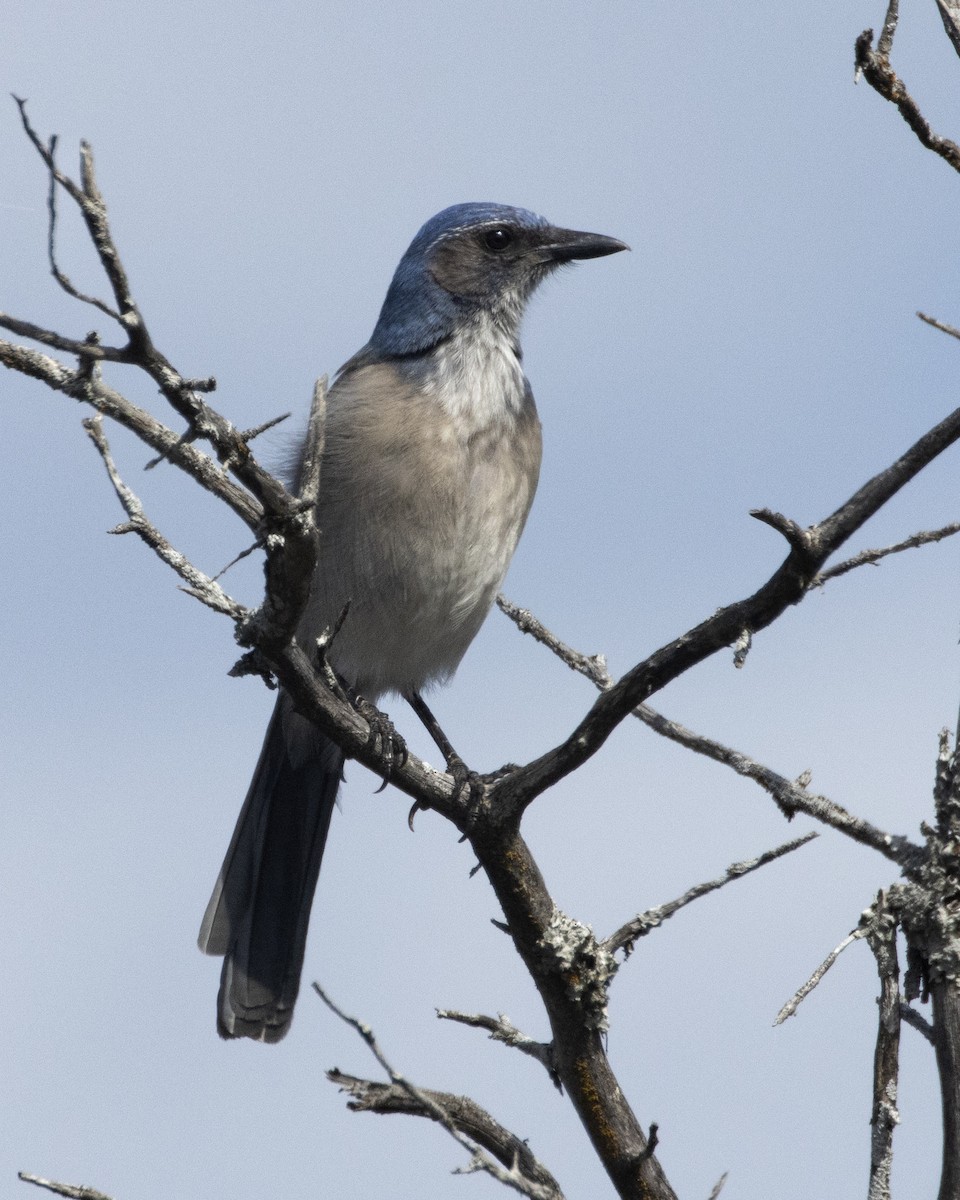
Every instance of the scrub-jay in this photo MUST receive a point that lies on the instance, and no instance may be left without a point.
(431, 460)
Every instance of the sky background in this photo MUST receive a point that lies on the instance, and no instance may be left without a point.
(265, 169)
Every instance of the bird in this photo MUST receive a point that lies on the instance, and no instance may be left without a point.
(431, 460)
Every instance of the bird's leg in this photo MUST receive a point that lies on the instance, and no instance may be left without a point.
(383, 736)
(463, 777)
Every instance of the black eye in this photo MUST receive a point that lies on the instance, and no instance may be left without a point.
(498, 239)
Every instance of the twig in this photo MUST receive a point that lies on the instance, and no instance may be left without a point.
(201, 586)
(910, 1016)
(718, 1187)
(950, 15)
(625, 938)
(795, 534)
(791, 1006)
(503, 1030)
(885, 44)
(90, 202)
(309, 482)
(923, 538)
(56, 341)
(61, 278)
(791, 796)
(941, 325)
(73, 1191)
(594, 667)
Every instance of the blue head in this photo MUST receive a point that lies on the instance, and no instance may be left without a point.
(469, 259)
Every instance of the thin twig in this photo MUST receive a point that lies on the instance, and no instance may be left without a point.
(941, 325)
(885, 44)
(503, 1030)
(923, 538)
(626, 936)
(718, 1187)
(199, 585)
(73, 1191)
(56, 341)
(60, 276)
(791, 1006)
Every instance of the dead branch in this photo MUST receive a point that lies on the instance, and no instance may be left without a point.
(466, 1121)
(791, 797)
(791, 1006)
(874, 65)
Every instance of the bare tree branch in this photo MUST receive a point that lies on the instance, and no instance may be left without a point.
(474, 1121)
(787, 586)
(57, 341)
(875, 67)
(791, 797)
(466, 1122)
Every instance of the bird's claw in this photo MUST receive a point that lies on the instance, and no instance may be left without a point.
(465, 781)
(383, 737)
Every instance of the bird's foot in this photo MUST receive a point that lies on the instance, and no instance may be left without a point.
(383, 737)
(465, 781)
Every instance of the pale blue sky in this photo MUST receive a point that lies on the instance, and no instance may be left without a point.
(265, 170)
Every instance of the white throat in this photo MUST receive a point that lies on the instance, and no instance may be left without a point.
(477, 375)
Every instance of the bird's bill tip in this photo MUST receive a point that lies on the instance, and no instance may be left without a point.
(567, 244)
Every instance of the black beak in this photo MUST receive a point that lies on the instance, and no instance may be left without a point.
(564, 245)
